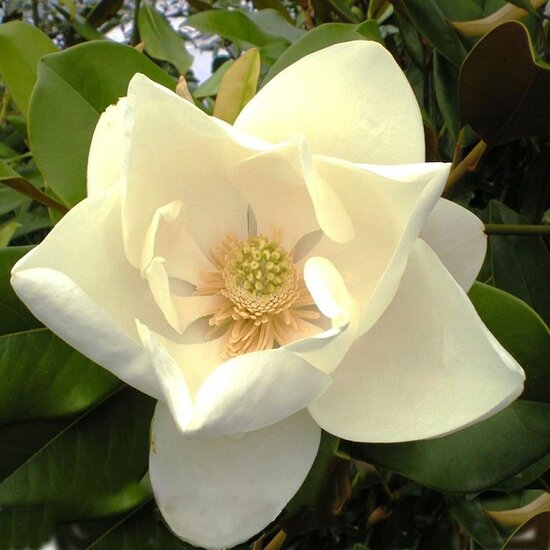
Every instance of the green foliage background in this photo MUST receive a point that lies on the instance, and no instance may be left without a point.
(74, 440)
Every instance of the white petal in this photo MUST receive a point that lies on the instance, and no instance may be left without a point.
(80, 284)
(326, 350)
(219, 492)
(177, 152)
(175, 390)
(352, 101)
(106, 149)
(242, 394)
(427, 368)
(457, 236)
(281, 186)
(388, 206)
(179, 311)
(168, 237)
(255, 390)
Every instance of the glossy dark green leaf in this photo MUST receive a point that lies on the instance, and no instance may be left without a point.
(309, 493)
(26, 527)
(342, 9)
(103, 11)
(92, 467)
(522, 332)
(470, 460)
(432, 23)
(475, 521)
(73, 88)
(42, 377)
(274, 23)
(232, 25)
(503, 89)
(535, 188)
(275, 5)
(142, 528)
(527, 476)
(14, 316)
(21, 46)
(161, 40)
(519, 265)
(323, 37)
(446, 92)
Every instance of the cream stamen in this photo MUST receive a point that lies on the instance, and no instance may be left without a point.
(264, 291)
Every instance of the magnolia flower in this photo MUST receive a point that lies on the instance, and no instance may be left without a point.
(292, 272)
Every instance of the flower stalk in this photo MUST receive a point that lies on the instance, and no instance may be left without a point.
(516, 229)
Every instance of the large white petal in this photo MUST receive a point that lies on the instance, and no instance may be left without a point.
(428, 367)
(177, 152)
(351, 101)
(388, 206)
(255, 390)
(80, 284)
(458, 238)
(106, 149)
(242, 394)
(220, 492)
(285, 194)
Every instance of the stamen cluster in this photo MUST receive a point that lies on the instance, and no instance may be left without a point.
(267, 302)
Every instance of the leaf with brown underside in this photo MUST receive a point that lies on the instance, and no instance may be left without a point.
(503, 89)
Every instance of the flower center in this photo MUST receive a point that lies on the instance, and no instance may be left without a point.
(267, 303)
(260, 277)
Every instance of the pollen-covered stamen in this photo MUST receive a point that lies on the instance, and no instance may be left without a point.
(260, 278)
(267, 302)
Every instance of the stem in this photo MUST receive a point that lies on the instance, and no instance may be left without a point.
(516, 229)
(277, 541)
(468, 164)
(4, 107)
(26, 155)
(26, 188)
(35, 14)
(135, 38)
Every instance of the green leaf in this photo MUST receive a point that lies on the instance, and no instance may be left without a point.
(322, 37)
(430, 20)
(521, 331)
(231, 25)
(7, 230)
(161, 40)
(471, 460)
(35, 359)
(503, 88)
(342, 9)
(275, 5)
(32, 358)
(238, 86)
(103, 11)
(21, 47)
(10, 200)
(526, 4)
(525, 477)
(315, 483)
(534, 189)
(211, 86)
(274, 23)
(140, 525)
(446, 92)
(30, 527)
(14, 316)
(519, 265)
(91, 467)
(475, 521)
(73, 88)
